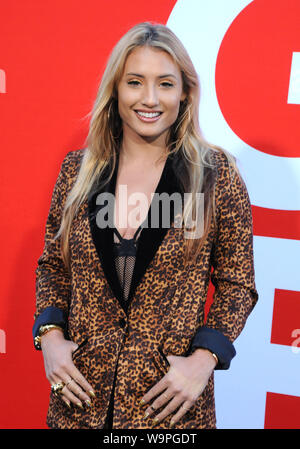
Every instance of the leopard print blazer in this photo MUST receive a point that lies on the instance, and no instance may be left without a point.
(165, 311)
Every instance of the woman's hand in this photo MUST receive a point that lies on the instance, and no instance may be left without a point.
(181, 386)
(59, 367)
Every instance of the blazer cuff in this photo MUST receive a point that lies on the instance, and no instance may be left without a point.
(216, 342)
(51, 315)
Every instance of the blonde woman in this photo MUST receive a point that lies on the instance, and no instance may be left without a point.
(120, 296)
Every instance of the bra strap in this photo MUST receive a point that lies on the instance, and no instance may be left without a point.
(122, 238)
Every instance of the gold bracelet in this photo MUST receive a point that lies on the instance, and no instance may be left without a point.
(212, 353)
(44, 330)
(215, 357)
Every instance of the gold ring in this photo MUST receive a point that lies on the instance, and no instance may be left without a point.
(56, 388)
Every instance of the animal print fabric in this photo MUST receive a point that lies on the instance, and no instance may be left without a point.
(164, 313)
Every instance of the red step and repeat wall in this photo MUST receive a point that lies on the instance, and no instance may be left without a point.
(247, 55)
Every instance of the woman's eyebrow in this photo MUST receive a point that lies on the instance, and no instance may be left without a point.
(160, 76)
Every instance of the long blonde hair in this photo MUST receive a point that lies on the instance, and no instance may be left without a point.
(184, 137)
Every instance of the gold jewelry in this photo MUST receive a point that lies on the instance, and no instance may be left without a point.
(44, 330)
(212, 353)
(215, 357)
(56, 388)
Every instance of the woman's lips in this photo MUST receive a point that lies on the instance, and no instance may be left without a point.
(146, 118)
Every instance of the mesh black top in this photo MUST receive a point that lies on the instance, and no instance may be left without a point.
(125, 255)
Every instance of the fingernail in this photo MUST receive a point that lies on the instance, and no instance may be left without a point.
(142, 402)
(79, 404)
(68, 404)
(146, 415)
(155, 421)
(172, 424)
(92, 394)
(87, 402)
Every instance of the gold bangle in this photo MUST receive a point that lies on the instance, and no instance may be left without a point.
(215, 357)
(212, 353)
(44, 330)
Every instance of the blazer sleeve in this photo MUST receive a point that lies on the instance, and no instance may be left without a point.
(233, 273)
(53, 282)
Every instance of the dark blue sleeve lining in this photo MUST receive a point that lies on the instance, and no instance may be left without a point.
(216, 342)
(51, 315)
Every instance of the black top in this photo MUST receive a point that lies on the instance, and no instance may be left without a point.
(124, 251)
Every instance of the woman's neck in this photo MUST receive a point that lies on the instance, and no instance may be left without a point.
(141, 153)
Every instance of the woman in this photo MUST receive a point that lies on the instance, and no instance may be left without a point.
(120, 301)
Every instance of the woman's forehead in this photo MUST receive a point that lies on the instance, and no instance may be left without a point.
(147, 60)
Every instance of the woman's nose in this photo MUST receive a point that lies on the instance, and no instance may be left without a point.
(150, 96)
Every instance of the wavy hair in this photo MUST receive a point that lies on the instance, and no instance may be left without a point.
(184, 140)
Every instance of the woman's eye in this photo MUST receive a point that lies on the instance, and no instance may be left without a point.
(136, 83)
(133, 83)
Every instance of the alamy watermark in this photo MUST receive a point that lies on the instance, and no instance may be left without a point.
(296, 343)
(192, 218)
(2, 82)
(2, 342)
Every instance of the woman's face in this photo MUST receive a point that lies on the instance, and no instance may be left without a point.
(149, 94)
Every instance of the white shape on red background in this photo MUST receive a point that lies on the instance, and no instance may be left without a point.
(272, 182)
(201, 26)
(294, 86)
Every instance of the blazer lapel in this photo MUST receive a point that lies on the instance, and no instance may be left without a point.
(149, 240)
(150, 237)
(103, 237)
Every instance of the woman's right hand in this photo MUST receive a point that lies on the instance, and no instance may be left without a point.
(59, 367)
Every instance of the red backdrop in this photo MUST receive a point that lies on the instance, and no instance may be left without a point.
(52, 57)
(53, 54)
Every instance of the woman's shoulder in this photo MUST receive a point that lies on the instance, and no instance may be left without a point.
(72, 161)
(225, 165)
(75, 156)
(230, 188)
(221, 157)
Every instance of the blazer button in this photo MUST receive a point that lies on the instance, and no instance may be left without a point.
(122, 322)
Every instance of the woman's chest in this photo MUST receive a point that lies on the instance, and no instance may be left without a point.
(133, 196)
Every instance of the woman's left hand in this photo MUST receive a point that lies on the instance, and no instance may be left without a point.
(181, 386)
